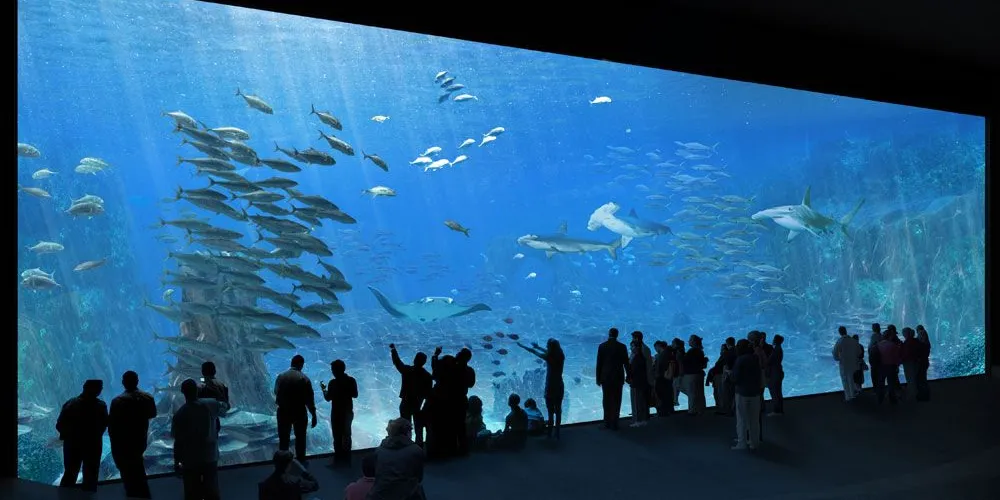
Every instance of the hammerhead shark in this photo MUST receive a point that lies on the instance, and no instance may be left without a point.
(802, 217)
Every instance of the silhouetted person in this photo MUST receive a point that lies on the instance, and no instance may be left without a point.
(341, 393)
(890, 352)
(414, 391)
(639, 387)
(555, 390)
(746, 376)
(466, 379)
(695, 363)
(212, 387)
(81, 425)
(910, 352)
(293, 392)
(441, 440)
(399, 465)
(288, 481)
(196, 443)
(128, 428)
(875, 360)
(847, 353)
(612, 370)
(663, 381)
(923, 364)
(776, 376)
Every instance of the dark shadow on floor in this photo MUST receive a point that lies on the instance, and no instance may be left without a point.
(822, 448)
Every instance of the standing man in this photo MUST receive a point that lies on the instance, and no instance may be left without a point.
(466, 380)
(612, 374)
(341, 394)
(128, 428)
(415, 389)
(847, 353)
(81, 425)
(294, 395)
(776, 376)
(196, 443)
(213, 388)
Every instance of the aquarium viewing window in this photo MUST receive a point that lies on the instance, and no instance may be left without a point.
(199, 182)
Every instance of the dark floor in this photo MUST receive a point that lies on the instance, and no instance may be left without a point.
(822, 448)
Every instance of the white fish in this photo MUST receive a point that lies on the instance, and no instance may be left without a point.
(465, 97)
(379, 118)
(27, 150)
(42, 174)
(458, 160)
(531, 276)
(168, 295)
(436, 165)
(601, 100)
(422, 160)
(182, 118)
(466, 143)
(488, 139)
(576, 293)
(440, 76)
(518, 256)
(379, 191)
(431, 151)
(495, 131)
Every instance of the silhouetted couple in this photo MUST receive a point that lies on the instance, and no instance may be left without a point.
(445, 409)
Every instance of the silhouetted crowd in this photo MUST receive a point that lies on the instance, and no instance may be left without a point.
(438, 419)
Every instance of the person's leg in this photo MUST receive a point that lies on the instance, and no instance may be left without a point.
(210, 480)
(140, 482)
(72, 460)
(616, 404)
(284, 430)
(777, 393)
(301, 425)
(336, 428)
(846, 383)
(348, 442)
(192, 483)
(419, 426)
(741, 422)
(606, 403)
(755, 405)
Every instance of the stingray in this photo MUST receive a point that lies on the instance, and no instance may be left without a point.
(427, 309)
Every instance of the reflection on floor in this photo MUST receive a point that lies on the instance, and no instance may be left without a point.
(822, 448)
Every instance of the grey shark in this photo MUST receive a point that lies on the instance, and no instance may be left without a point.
(560, 243)
(803, 218)
(427, 309)
(629, 226)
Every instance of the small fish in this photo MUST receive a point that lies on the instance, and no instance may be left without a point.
(502, 351)
(514, 336)
(495, 131)
(256, 103)
(518, 256)
(458, 160)
(379, 191)
(487, 338)
(466, 143)
(27, 151)
(379, 118)
(531, 276)
(422, 160)
(499, 334)
(487, 346)
(455, 226)
(431, 151)
(601, 100)
(488, 139)
(437, 165)
(508, 320)
(36, 192)
(440, 76)
(42, 174)
(498, 374)
(90, 264)
(378, 161)
(496, 362)
(168, 295)
(465, 97)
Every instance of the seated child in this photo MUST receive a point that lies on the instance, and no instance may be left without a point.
(536, 421)
(358, 490)
(515, 432)
(478, 433)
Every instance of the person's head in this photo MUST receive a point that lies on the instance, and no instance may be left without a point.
(208, 369)
(189, 388)
(694, 341)
(338, 367)
(743, 347)
(778, 340)
(92, 388)
(399, 427)
(922, 335)
(763, 337)
(843, 331)
(553, 346)
(530, 403)
(130, 380)
(908, 333)
(514, 401)
(875, 339)
(891, 329)
(282, 459)
(637, 335)
(920, 328)
(723, 348)
(420, 359)
(464, 356)
(298, 362)
(876, 328)
(753, 336)
(475, 405)
(677, 344)
(613, 333)
(855, 337)
(634, 345)
(659, 346)
(731, 341)
(368, 465)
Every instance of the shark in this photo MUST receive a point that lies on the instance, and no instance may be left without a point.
(803, 218)
(629, 226)
(560, 243)
(427, 309)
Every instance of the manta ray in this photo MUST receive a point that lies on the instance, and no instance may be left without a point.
(802, 218)
(427, 309)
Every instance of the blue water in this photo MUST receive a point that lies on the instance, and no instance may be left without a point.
(94, 79)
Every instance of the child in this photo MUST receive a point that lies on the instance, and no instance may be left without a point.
(358, 490)
(478, 433)
(536, 421)
(515, 430)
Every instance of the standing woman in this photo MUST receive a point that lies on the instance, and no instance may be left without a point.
(554, 388)
(639, 387)
(923, 364)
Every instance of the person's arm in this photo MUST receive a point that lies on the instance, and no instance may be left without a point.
(471, 374)
(398, 363)
(277, 384)
(61, 421)
(836, 351)
(354, 388)
(310, 397)
(326, 391)
(625, 361)
(600, 362)
(150, 407)
(102, 417)
(537, 352)
(112, 420)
